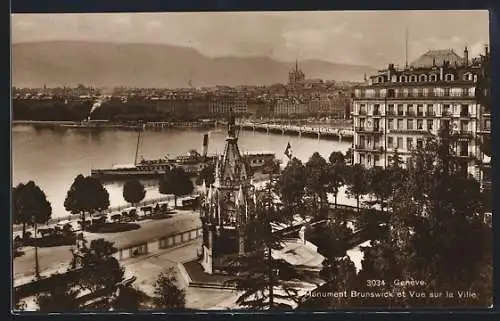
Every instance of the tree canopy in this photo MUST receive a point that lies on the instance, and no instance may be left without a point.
(133, 191)
(290, 185)
(177, 182)
(167, 294)
(59, 299)
(30, 203)
(86, 195)
(317, 180)
(357, 182)
(437, 219)
(100, 269)
(337, 172)
(207, 175)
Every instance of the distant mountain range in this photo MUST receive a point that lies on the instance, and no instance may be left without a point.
(59, 63)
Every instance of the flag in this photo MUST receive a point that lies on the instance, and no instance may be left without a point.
(288, 151)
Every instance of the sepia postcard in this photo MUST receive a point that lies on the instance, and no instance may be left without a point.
(251, 161)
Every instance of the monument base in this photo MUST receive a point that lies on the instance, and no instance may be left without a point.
(200, 278)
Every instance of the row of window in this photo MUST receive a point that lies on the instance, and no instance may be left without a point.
(410, 109)
(469, 76)
(415, 92)
(394, 142)
(412, 124)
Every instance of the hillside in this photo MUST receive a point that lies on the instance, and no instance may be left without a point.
(69, 63)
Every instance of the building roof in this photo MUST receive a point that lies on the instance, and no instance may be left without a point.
(437, 58)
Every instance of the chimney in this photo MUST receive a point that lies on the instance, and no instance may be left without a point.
(205, 145)
(466, 56)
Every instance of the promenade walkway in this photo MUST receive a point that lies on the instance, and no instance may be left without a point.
(53, 259)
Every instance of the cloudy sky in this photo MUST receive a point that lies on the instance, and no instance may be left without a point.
(369, 38)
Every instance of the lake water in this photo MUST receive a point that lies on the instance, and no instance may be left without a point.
(53, 157)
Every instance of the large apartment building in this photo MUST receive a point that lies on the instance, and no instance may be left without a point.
(398, 108)
(221, 104)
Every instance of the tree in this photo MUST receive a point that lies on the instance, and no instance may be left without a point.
(133, 191)
(86, 195)
(356, 182)
(19, 304)
(337, 158)
(290, 185)
(340, 275)
(349, 156)
(128, 298)
(317, 180)
(379, 185)
(428, 235)
(395, 172)
(59, 299)
(336, 173)
(256, 269)
(30, 202)
(99, 269)
(207, 175)
(333, 236)
(167, 294)
(177, 182)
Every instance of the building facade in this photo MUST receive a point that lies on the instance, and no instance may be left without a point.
(222, 104)
(398, 109)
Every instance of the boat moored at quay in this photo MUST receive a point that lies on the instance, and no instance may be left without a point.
(192, 163)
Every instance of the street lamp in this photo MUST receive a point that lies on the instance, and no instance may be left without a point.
(37, 268)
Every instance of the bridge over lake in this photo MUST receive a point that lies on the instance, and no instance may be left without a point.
(345, 134)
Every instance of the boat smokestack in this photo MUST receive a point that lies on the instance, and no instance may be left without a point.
(205, 145)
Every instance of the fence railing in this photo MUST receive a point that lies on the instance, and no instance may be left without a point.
(55, 220)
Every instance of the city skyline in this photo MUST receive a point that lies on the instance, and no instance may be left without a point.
(373, 38)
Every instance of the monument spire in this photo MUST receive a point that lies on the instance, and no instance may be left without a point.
(226, 216)
(231, 125)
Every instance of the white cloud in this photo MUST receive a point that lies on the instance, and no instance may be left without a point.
(477, 48)
(358, 35)
(334, 36)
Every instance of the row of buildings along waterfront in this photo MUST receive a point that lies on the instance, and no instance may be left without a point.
(299, 97)
(398, 108)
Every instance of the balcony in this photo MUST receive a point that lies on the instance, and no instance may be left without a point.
(446, 113)
(360, 129)
(430, 114)
(362, 112)
(465, 115)
(376, 113)
(409, 131)
(391, 113)
(463, 134)
(372, 148)
(410, 113)
(420, 114)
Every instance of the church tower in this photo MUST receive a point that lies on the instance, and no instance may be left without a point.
(225, 205)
